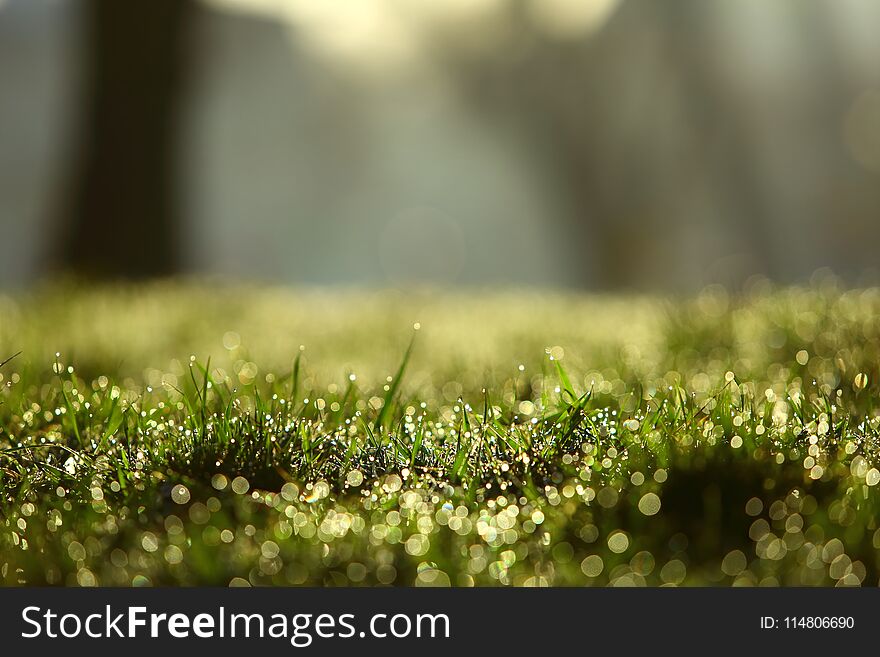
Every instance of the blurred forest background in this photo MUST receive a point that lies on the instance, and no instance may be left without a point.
(596, 144)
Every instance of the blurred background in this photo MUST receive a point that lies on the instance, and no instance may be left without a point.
(592, 144)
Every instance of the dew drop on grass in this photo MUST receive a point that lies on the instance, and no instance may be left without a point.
(858, 467)
(734, 563)
(180, 494)
(149, 542)
(589, 533)
(417, 545)
(673, 572)
(392, 483)
(290, 491)
(754, 507)
(86, 578)
(592, 566)
(173, 554)
(269, 549)
(643, 563)
(607, 496)
(76, 551)
(618, 542)
(649, 505)
(318, 491)
(231, 340)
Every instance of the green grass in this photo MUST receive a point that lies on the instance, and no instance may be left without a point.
(193, 434)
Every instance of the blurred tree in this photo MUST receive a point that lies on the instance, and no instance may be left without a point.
(122, 219)
(565, 96)
(648, 132)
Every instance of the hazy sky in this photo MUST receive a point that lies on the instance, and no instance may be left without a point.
(386, 34)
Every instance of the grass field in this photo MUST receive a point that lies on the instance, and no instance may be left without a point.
(187, 434)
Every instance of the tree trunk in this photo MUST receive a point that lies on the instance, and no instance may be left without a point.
(122, 220)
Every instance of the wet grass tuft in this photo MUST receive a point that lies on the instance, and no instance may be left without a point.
(256, 435)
